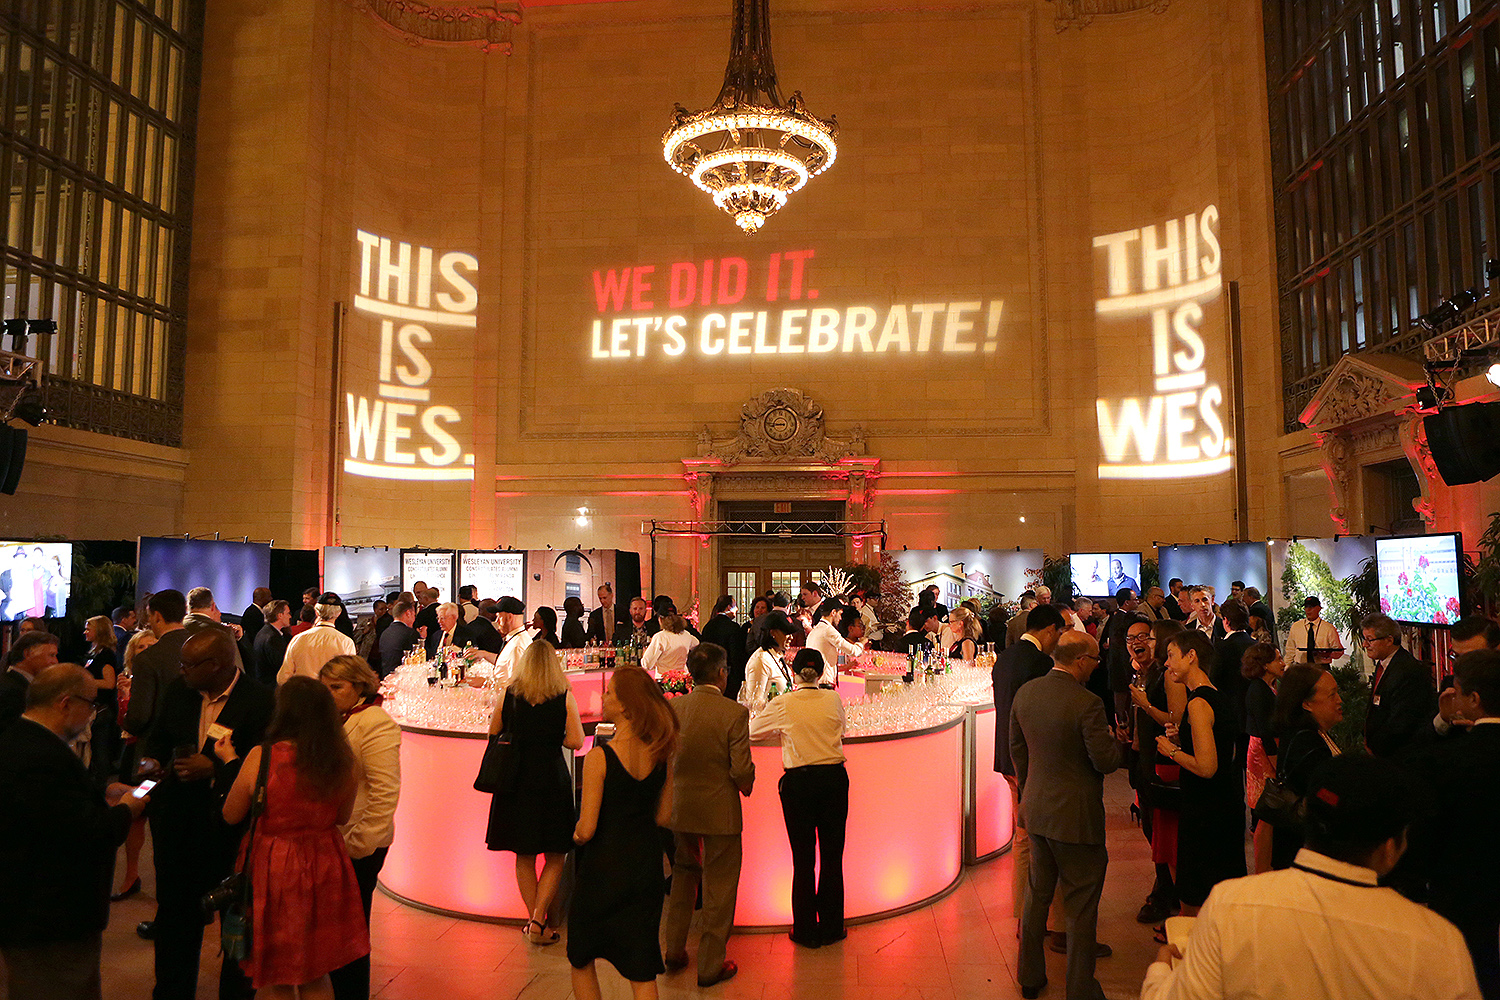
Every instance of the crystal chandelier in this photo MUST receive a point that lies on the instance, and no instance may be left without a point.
(750, 149)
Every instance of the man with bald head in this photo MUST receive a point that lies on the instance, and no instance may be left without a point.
(1062, 747)
(194, 848)
(58, 838)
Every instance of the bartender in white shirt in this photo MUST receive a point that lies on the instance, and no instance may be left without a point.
(1313, 639)
(814, 797)
(834, 626)
(1324, 929)
(512, 622)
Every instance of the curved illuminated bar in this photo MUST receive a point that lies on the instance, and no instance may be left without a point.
(912, 805)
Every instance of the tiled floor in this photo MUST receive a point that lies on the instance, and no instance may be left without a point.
(963, 946)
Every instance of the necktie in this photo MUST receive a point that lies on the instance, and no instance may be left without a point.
(447, 638)
(1379, 673)
(608, 614)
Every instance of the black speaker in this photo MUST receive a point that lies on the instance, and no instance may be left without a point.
(1465, 442)
(12, 458)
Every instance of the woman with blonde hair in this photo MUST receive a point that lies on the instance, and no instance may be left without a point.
(967, 631)
(375, 739)
(627, 795)
(130, 755)
(103, 663)
(669, 648)
(536, 815)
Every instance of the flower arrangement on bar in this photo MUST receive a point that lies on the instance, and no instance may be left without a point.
(675, 683)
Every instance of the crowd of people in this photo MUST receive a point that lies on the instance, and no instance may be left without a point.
(261, 748)
(1223, 731)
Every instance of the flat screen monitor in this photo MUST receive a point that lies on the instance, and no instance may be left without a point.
(232, 570)
(1420, 578)
(494, 574)
(35, 579)
(1103, 574)
(1216, 566)
(361, 575)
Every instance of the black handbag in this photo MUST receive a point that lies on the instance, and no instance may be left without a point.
(1280, 806)
(502, 759)
(232, 897)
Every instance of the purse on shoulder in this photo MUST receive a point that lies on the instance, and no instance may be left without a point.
(502, 763)
(1279, 805)
(232, 897)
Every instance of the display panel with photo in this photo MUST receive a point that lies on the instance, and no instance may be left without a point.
(1420, 578)
(232, 570)
(361, 575)
(434, 567)
(35, 579)
(1104, 574)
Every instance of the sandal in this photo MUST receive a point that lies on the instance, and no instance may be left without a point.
(542, 936)
(1159, 934)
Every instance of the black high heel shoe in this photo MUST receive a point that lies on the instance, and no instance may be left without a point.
(127, 892)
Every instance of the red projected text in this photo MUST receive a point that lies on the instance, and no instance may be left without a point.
(645, 312)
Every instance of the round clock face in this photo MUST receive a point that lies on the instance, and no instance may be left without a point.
(780, 424)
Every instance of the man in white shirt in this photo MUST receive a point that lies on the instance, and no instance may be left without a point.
(306, 653)
(1324, 929)
(838, 630)
(1313, 639)
(512, 622)
(1204, 619)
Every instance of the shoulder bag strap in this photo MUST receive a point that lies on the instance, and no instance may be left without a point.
(257, 801)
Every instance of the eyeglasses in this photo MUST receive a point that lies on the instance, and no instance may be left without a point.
(1088, 656)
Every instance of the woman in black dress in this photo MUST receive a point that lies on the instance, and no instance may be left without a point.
(627, 795)
(104, 664)
(536, 816)
(1308, 705)
(545, 624)
(1211, 828)
(1262, 666)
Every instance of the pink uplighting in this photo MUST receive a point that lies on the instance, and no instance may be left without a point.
(993, 819)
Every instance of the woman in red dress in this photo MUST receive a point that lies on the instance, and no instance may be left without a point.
(307, 919)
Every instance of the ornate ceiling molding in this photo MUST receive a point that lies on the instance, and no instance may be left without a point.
(486, 26)
(1078, 13)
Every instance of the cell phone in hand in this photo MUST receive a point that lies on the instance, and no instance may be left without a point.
(144, 789)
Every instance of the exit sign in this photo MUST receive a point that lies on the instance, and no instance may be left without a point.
(784, 507)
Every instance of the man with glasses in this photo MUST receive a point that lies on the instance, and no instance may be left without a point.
(193, 848)
(1403, 699)
(58, 837)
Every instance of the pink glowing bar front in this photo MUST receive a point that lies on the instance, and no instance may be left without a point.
(904, 841)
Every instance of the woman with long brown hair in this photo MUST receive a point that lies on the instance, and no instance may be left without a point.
(627, 795)
(307, 919)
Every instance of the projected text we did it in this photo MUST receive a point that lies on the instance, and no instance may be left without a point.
(416, 295)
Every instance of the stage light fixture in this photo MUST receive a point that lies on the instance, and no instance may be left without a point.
(1430, 397)
(1464, 299)
(28, 406)
(1491, 270)
(1493, 374)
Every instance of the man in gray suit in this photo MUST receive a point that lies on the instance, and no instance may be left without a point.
(711, 770)
(1062, 748)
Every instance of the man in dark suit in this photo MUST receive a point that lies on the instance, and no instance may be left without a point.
(31, 654)
(722, 630)
(252, 620)
(1062, 748)
(486, 636)
(1026, 659)
(194, 848)
(400, 637)
(1229, 652)
(155, 668)
(1403, 698)
(1456, 839)
(712, 770)
(451, 630)
(58, 838)
(269, 649)
(427, 608)
(607, 620)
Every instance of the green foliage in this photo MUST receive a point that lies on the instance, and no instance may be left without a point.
(863, 576)
(896, 598)
(1307, 573)
(1057, 575)
(1150, 576)
(1484, 577)
(98, 590)
(1355, 692)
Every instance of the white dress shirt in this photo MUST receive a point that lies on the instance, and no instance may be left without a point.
(810, 721)
(668, 651)
(1324, 636)
(1326, 934)
(307, 652)
(764, 667)
(826, 640)
(376, 741)
(515, 645)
